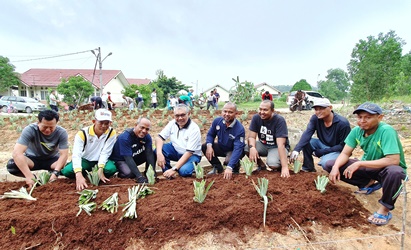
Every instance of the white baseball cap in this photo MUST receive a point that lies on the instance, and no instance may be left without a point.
(102, 115)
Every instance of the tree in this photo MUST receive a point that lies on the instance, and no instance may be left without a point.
(301, 84)
(8, 77)
(145, 91)
(329, 89)
(374, 66)
(75, 89)
(336, 86)
(168, 86)
(242, 91)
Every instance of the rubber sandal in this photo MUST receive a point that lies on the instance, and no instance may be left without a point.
(369, 190)
(385, 218)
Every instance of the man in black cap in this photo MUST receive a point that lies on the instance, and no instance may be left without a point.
(382, 164)
(331, 129)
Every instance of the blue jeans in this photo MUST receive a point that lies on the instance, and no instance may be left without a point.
(170, 154)
(308, 163)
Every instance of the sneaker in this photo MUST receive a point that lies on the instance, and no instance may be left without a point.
(259, 168)
(142, 179)
(308, 170)
(216, 170)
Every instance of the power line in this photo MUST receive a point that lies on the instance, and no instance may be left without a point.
(49, 57)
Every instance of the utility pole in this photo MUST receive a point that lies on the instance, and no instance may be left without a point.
(100, 61)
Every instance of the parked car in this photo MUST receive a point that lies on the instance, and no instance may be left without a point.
(313, 97)
(23, 104)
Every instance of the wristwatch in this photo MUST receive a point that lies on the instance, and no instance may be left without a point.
(56, 173)
(174, 168)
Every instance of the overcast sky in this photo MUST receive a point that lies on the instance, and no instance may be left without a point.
(209, 41)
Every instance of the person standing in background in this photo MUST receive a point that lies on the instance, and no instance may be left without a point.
(217, 97)
(139, 100)
(104, 98)
(53, 101)
(110, 102)
(154, 99)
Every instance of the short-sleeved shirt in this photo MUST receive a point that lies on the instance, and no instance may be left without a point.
(40, 145)
(269, 130)
(128, 144)
(153, 97)
(384, 141)
(185, 139)
(230, 139)
(332, 136)
(53, 99)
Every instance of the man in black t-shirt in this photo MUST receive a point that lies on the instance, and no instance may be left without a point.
(272, 133)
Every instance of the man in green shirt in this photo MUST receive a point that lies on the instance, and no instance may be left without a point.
(382, 164)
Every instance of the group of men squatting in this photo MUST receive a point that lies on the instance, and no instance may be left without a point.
(44, 145)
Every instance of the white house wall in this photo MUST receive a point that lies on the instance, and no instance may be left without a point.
(115, 86)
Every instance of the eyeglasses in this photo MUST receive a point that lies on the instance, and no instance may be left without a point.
(179, 115)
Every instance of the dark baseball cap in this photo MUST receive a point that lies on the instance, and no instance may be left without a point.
(369, 107)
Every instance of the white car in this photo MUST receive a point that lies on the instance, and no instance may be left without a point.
(20, 103)
(313, 97)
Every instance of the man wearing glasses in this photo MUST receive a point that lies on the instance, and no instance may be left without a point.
(184, 146)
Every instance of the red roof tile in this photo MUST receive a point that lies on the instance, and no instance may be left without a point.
(52, 77)
(138, 81)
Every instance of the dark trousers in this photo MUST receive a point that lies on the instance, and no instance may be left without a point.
(218, 152)
(210, 103)
(124, 170)
(54, 107)
(39, 164)
(390, 178)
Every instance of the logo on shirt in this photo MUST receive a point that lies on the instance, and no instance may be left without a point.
(217, 127)
(48, 146)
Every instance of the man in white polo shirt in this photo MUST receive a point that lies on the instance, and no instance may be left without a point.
(184, 146)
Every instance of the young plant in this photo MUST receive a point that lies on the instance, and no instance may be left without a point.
(248, 166)
(321, 183)
(130, 207)
(199, 171)
(144, 191)
(86, 195)
(297, 166)
(43, 178)
(93, 176)
(151, 176)
(262, 191)
(88, 208)
(200, 191)
(111, 203)
(21, 194)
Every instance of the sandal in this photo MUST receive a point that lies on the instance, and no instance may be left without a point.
(385, 219)
(369, 190)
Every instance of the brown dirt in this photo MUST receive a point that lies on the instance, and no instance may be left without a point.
(230, 218)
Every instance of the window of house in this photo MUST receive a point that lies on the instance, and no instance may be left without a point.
(43, 94)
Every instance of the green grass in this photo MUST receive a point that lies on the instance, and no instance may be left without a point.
(254, 105)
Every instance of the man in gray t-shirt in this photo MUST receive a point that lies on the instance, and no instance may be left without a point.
(40, 146)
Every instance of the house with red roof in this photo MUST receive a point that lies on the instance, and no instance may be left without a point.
(263, 87)
(38, 82)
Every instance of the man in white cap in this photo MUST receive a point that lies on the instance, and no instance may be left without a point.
(92, 146)
(331, 128)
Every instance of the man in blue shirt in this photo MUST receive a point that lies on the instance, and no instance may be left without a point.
(331, 128)
(230, 143)
(132, 148)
